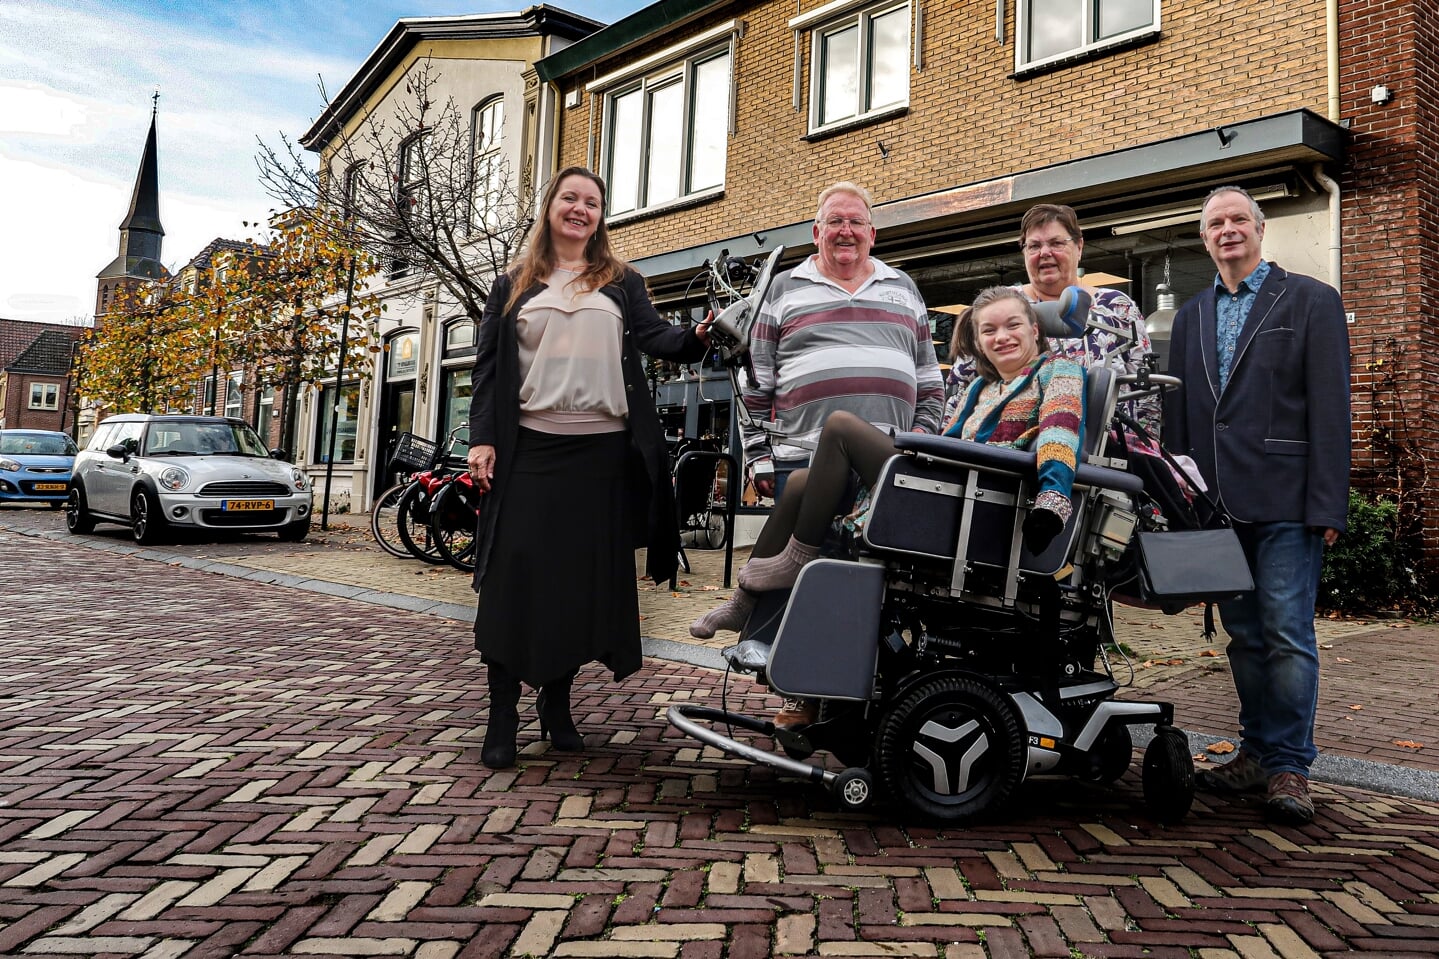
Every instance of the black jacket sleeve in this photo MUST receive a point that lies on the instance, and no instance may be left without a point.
(483, 425)
(653, 335)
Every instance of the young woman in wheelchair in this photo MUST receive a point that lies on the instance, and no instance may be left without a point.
(1024, 398)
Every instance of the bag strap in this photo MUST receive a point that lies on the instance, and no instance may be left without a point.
(1216, 512)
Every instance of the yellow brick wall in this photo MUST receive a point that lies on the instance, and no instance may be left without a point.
(968, 120)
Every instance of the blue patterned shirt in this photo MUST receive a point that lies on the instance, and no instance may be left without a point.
(1230, 312)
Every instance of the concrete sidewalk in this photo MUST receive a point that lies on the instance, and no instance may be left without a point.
(1380, 679)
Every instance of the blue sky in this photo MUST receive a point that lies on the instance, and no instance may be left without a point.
(76, 77)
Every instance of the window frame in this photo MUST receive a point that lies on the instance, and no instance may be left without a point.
(347, 427)
(485, 158)
(50, 391)
(833, 19)
(235, 386)
(1089, 44)
(678, 64)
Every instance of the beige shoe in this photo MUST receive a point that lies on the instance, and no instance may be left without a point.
(797, 714)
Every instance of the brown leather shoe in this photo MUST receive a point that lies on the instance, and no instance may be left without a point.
(796, 714)
(1242, 774)
(1288, 799)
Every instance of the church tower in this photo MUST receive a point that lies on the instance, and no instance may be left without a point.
(140, 233)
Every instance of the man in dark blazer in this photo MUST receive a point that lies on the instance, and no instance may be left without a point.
(1264, 355)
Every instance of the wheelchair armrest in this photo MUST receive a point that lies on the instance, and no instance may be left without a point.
(1002, 459)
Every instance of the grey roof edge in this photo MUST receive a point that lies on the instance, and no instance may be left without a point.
(134, 266)
(1296, 135)
(539, 20)
(642, 25)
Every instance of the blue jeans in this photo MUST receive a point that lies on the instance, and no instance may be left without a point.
(1272, 650)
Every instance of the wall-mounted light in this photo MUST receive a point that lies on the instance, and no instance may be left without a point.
(883, 150)
(1381, 95)
(1226, 136)
(758, 238)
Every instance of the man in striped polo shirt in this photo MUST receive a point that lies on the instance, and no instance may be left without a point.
(840, 331)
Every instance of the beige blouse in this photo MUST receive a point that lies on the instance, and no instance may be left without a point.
(570, 376)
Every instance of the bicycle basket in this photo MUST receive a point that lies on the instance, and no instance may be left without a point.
(415, 452)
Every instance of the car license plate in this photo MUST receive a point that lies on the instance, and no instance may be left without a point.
(50, 487)
(245, 505)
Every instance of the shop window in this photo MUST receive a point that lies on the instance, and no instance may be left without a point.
(346, 424)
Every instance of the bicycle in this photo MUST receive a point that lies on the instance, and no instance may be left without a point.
(400, 519)
(454, 521)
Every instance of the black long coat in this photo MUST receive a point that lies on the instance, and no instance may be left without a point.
(495, 414)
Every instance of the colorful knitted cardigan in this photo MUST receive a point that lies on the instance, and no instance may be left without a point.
(1043, 410)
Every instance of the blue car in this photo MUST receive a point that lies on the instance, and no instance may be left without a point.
(35, 467)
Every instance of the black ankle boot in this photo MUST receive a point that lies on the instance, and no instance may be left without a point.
(553, 705)
(498, 751)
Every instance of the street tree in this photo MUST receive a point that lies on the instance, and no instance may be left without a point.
(419, 186)
(280, 313)
(145, 354)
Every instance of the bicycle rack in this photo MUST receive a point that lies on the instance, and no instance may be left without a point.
(732, 484)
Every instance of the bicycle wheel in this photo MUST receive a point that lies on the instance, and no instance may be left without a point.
(385, 521)
(453, 524)
(413, 525)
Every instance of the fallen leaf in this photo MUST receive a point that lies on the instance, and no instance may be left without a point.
(1171, 662)
(676, 595)
(1349, 719)
(1209, 652)
(1341, 659)
(1220, 748)
(1356, 706)
(1200, 758)
(708, 589)
(1408, 744)
(1326, 645)
(684, 582)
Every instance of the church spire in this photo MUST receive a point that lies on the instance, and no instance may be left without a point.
(140, 233)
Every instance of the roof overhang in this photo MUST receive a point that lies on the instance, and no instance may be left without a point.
(644, 26)
(1293, 138)
(541, 20)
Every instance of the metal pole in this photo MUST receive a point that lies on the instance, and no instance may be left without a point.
(335, 407)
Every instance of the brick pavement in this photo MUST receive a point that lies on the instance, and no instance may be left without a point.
(197, 765)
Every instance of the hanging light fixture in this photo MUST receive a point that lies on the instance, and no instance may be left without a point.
(1161, 321)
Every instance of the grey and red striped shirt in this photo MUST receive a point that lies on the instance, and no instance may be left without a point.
(817, 348)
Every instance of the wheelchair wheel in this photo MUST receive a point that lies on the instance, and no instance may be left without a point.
(1168, 775)
(952, 748)
(1111, 755)
(854, 788)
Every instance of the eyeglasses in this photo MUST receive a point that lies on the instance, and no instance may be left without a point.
(1053, 246)
(853, 222)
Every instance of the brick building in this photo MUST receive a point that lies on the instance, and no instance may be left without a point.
(717, 124)
(35, 374)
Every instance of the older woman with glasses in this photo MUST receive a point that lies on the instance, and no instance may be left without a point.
(1052, 243)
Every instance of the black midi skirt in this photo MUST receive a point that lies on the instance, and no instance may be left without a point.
(559, 590)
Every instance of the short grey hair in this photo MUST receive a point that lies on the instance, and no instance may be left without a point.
(1253, 204)
(845, 186)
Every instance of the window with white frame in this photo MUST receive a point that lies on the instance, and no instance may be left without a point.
(666, 132)
(1055, 29)
(859, 62)
(233, 394)
(489, 165)
(44, 396)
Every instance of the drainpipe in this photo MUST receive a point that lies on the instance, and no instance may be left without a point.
(1331, 41)
(1335, 233)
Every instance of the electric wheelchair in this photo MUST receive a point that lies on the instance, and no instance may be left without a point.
(949, 663)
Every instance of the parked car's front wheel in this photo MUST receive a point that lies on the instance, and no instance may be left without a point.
(147, 524)
(77, 515)
(296, 531)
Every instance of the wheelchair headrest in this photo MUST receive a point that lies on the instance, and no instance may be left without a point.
(1066, 318)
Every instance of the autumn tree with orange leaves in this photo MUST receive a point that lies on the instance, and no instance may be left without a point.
(276, 314)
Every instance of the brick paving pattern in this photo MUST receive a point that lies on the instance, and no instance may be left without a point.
(198, 765)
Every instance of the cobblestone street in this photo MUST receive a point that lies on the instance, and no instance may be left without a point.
(201, 765)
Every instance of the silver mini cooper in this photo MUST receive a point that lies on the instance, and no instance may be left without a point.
(158, 472)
